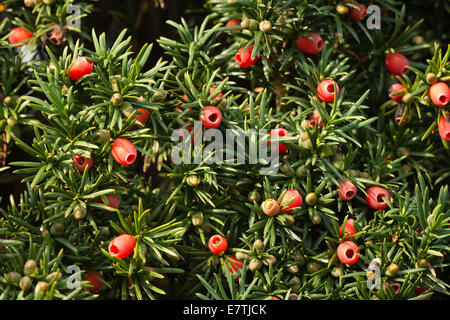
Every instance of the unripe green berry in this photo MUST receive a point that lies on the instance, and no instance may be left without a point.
(299, 258)
(197, 219)
(365, 175)
(116, 99)
(103, 136)
(193, 180)
(245, 24)
(313, 267)
(29, 267)
(289, 220)
(287, 170)
(392, 270)
(269, 260)
(304, 124)
(422, 263)
(265, 26)
(342, 10)
(258, 245)
(311, 199)
(57, 229)
(407, 98)
(13, 277)
(302, 171)
(336, 272)
(9, 102)
(255, 265)
(25, 283)
(241, 256)
(79, 212)
(295, 283)
(403, 152)
(11, 121)
(431, 78)
(254, 196)
(293, 268)
(253, 25)
(127, 109)
(315, 218)
(53, 275)
(42, 286)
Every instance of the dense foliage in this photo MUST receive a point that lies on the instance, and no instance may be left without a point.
(63, 225)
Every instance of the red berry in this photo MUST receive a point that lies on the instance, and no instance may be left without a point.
(440, 94)
(217, 244)
(277, 133)
(358, 14)
(18, 35)
(184, 97)
(288, 195)
(325, 90)
(113, 200)
(421, 290)
(444, 127)
(234, 265)
(211, 117)
(122, 246)
(233, 22)
(270, 207)
(81, 162)
(310, 46)
(347, 190)
(80, 68)
(397, 63)
(395, 286)
(347, 252)
(348, 229)
(95, 280)
(243, 59)
(211, 91)
(374, 198)
(143, 116)
(396, 87)
(315, 118)
(123, 151)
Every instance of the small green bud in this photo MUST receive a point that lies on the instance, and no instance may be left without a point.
(311, 199)
(197, 219)
(57, 229)
(29, 267)
(193, 180)
(255, 265)
(25, 283)
(265, 26)
(116, 99)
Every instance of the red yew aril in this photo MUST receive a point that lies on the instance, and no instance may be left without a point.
(80, 68)
(310, 46)
(277, 133)
(315, 118)
(234, 265)
(288, 195)
(397, 63)
(444, 127)
(233, 23)
(347, 190)
(18, 35)
(325, 90)
(184, 97)
(81, 162)
(244, 59)
(123, 151)
(142, 115)
(396, 87)
(217, 244)
(374, 198)
(440, 94)
(122, 246)
(421, 290)
(211, 117)
(113, 200)
(211, 91)
(349, 228)
(358, 13)
(347, 252)
(95, 280)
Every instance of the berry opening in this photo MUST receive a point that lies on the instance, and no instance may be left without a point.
(330, 88)
(268, 204)
(213, 117)
(216, 240)
(380, 198)
(130, 158)
(319, 44)
(404, 70)
(349, 194)
(447, 136)
(443, 99)
(80, 160)
(349, 253)
(113, 250)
